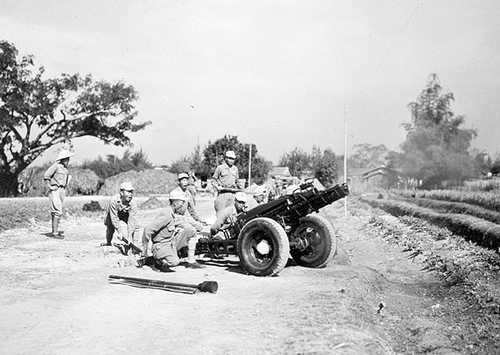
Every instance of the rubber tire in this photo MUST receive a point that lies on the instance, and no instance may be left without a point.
(278, 242)
(328, 237)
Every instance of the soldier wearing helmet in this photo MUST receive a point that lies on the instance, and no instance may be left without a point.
(121, 217)
(225, 182)
(57, 178)
(227, 216)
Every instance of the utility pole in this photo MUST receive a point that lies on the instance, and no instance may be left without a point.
(345, 157)
(249, 163)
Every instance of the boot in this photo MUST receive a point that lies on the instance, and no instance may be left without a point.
(55, 227)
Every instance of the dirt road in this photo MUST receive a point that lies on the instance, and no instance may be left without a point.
(55, 299)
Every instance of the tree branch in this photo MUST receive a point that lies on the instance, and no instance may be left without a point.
(47, 129)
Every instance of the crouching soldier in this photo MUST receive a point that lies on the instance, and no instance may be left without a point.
(57, 178)
(182, 201)
(121, 218)
(168, 236)
(227, 216)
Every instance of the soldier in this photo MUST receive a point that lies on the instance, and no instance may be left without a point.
(227, 216)
(169, 235)
(121, 218)
(57, 178)
(182, 201)
(225, 182)
(260, 194)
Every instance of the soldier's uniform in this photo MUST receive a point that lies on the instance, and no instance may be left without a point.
(182, 201)
(225, 177)
(58, 177)
(227, 216)
(121, 217)
(168, 236)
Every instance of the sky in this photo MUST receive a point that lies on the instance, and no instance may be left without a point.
(280, 74)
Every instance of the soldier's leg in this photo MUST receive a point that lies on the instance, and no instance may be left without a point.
(170, 259)
(55, 211)
(165, 255)
(110, 230)
(187, 237)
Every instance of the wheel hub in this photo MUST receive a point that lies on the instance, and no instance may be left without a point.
(263, 247)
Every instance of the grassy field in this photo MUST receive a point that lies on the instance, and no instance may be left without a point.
(23, 211)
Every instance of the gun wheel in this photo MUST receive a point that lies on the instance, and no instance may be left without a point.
(315, 243)
(263, 247)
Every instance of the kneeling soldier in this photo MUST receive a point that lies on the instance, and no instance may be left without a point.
(168, 236)
(121, 218)
(227, 216)
(182, 201)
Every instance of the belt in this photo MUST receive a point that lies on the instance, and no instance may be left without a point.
(227, 190)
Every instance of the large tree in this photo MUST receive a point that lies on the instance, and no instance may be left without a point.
(297, 161)
(324, 165)
(213, 155)
(37, 113)
(436, 146)
(368, 156)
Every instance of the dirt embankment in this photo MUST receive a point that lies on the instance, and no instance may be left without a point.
(372, 299)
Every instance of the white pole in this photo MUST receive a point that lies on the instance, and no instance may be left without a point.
(345, 157)
(249, 163)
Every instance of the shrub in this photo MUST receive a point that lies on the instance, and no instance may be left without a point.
(83, 182)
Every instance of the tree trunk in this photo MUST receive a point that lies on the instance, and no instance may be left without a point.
(8, 184)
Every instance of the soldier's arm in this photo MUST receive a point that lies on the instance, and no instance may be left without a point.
(132, 219)
(49, 173)
(216, 179)
(192, 211)
(113, 216)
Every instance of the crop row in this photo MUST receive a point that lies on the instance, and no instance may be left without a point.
(482, 232)
(489, 200)
(455, 207)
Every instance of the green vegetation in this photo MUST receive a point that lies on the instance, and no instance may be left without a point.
(482, 232)
(322, 163)
(456, 207)
(489, 200)
(204, 163)
(113, 165)
(436, 148)
(37, 113)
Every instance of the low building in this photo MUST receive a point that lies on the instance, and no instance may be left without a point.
(365, 179)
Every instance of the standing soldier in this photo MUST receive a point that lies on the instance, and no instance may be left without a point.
(225, 182)
(57, 178)
(121, 218)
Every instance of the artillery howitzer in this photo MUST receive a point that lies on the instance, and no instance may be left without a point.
(265, 236)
